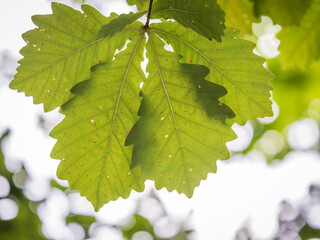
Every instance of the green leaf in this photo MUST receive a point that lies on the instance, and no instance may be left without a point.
(118, 24)
(239, 14)
(60, 53)
(182, 130)
(232, 65)
(91, 137)
(300, 44)
(204, 17)
(284, 12)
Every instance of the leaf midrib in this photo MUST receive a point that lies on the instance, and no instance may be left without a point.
(115, 114)
(180, 149)
(164, 88)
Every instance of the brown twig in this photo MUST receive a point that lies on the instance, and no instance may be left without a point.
(149, 14)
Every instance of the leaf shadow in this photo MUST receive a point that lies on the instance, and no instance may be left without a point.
(207, 94)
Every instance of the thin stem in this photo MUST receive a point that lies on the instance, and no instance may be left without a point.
(149, 14)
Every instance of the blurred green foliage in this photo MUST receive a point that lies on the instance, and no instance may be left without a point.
(239, 14)
(294, 90)
(139, 223)
(26, 225)
(284, 12)
(307, 232)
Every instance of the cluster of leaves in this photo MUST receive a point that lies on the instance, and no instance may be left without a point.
(172, 130)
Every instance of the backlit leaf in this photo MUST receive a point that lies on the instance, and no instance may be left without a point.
(182, 129)
(60, 53)
(232, 64)
(92, 135)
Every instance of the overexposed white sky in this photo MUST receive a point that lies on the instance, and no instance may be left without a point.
(244, 191)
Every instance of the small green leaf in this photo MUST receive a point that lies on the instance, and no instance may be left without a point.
(204, 17)
(60, 53)
(118, 24)
(182, 130)
(91, 137)
(232, 65)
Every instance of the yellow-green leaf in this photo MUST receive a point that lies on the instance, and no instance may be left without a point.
(61, 51)
(232, 65)
(182, 130)
(91, 137)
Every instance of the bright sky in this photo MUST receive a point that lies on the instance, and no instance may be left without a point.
(244, 191)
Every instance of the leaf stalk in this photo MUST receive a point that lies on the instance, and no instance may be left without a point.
(149, 14)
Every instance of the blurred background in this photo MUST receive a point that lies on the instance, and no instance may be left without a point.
(269, 189)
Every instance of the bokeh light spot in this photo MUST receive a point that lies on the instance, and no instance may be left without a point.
(142, 235)
(4, 187)
(8, 209)
(303, 134)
